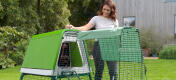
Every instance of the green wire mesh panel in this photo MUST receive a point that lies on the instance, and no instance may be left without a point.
(131, 65)
(109, 48)
(105, 73)
(130, 46)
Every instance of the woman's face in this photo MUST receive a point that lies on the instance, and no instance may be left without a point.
(106, 11)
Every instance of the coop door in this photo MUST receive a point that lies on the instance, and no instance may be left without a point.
(64, 56)
(70, 55)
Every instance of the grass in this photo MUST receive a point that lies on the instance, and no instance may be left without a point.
(10, 73)
(161, 69)
(158, 69)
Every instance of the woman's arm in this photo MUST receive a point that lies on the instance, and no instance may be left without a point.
(81, 28)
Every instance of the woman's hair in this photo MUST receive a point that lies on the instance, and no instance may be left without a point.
(113, 14)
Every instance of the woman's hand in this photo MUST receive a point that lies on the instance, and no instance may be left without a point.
(69, 26)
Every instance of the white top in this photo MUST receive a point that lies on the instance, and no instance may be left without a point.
(101, 22)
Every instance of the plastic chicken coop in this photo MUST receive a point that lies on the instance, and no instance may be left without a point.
(63, 54)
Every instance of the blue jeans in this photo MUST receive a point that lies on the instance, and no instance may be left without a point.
(99, 64)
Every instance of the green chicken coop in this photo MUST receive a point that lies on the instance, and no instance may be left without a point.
(55, 55)
(63, 54)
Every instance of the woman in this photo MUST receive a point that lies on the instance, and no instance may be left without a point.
(106, 19)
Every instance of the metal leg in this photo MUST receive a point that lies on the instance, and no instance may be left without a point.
(53, 78)
(69, 78)
(90, 78)
(113, 78)
(22, 75)
(77, 75)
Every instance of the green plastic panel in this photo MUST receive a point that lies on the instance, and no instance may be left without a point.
(43, 50)
(76, 60)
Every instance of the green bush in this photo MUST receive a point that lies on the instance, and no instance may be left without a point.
(6, 62)
(168, 53)
(151, 40)
(12, 46)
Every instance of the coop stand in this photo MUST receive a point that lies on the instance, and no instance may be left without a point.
(69, 74)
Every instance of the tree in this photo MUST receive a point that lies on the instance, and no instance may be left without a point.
(19, 14)
(53, 14)
(1, 10)
(32, 17)
(10, 42)
(83, 10)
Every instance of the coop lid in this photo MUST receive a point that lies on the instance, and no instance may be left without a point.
(103, 33)
(43, 50)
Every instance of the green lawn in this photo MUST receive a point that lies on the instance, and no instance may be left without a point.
(10, 73)
(161, 69)
(156, 70)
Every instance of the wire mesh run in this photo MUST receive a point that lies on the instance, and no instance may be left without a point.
(131, 66)
(119, 57)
